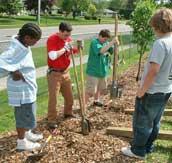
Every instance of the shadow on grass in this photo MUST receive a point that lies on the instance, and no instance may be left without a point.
(8, 20)
(164, 150)
(25, 18)
(60, 18)
(166, 122)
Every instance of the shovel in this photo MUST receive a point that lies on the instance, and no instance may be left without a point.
(36, 157)
(116, 90)
(85, 123)
(85, 126)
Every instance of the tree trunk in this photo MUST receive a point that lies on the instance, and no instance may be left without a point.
(138, 73)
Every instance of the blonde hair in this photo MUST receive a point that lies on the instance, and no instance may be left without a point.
(162, 20)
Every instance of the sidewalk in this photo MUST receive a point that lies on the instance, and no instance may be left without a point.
(41, 71)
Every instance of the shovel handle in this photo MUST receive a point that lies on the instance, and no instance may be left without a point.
(115, 61)
(82, 82)
(46, 142)
(77, 81)
(116, 24)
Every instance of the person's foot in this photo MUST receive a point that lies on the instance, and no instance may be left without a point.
(52, 125)
(26, 145)
(69, 116)
(33, 137)
(98, 103)
(127, 152)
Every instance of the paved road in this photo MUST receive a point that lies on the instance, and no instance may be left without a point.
(41, 72)
(5, 34)
(79, 31)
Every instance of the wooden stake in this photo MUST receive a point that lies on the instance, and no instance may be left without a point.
(167, 112)
(127, 132)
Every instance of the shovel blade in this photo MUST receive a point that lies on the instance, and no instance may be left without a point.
(116, 91)
(85, 126)
(35, 157)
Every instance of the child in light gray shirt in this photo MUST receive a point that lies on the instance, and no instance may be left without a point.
(155, 88)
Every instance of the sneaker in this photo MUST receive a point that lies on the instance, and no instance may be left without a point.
(33, 137)
(127, 152)
(52, 125)
(26, 145)
(69, 116)
(98, 103)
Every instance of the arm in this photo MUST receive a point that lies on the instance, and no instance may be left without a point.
(3, 73)
(56, 54)
(107, 47)
(149, 79)
(155, 60)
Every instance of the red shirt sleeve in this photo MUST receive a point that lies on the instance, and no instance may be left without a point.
(51, 44)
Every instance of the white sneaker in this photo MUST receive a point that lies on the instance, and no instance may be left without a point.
(33, 137)
(127, 152)
(26, 145)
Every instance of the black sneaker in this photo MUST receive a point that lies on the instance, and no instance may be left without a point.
(97, 103)
(52, 126)
(69, 116)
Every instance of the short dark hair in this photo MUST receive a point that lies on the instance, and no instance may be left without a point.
(30, 29)
(65, 27)
(105, 33)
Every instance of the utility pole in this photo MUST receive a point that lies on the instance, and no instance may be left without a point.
(39, 11)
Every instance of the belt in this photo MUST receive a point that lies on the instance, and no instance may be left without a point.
(55, 70)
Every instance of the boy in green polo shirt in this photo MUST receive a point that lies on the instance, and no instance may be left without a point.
(98, 65)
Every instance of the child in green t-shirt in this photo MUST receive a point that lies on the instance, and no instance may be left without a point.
(98, 65)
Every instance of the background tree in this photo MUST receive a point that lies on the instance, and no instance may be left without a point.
(92, 9)
(118, 4)
(74, 6)
(67, 6)
(142, 32)
(33, 5)
(131, 4)
(10, 7)
(100, 6)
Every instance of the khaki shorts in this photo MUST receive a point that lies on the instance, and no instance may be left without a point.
(93, 84)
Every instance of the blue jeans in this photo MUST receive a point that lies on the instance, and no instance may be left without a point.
(146, 121)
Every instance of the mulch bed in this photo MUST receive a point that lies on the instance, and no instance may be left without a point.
(72, 147)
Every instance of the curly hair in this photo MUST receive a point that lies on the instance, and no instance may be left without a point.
(30, 29)
(162, 20)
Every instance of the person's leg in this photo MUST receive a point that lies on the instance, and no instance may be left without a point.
(19, 119)
(101, 89)
(97, 95)
(54, 84)
(66, 90)
(156, 125)
(31, 123)
(25, 120)
(20, 133)
(147, 109)
(91, 87)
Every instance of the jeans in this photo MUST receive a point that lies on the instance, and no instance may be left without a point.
(146, 121)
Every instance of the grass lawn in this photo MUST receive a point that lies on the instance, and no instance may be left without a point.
(40, 54)
(17, 21)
